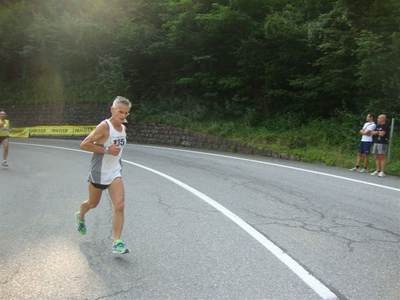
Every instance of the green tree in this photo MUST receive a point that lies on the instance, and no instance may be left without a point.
(246, 59)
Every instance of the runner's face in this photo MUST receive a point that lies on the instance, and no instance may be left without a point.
(120, 112)
(2, 115)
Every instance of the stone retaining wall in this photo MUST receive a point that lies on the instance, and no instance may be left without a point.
(143, 133)
(158, 134)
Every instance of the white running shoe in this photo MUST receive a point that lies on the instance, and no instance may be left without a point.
(381, 174)
(363, 170)
(354, 169)
(375, 173)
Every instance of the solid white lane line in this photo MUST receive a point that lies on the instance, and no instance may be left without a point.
(323, 291)
(309, 279)
(275, 165)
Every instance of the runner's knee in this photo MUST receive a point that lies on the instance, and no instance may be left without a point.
(93, 205)
(119, 206)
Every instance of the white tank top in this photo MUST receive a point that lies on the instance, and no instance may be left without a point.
(104, 167)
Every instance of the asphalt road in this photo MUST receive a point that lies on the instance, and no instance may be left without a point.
(200, 225)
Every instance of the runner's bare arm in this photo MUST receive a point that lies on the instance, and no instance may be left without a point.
(93, 142)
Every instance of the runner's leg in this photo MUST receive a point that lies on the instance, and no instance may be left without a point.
(117, 194)
(91, 202)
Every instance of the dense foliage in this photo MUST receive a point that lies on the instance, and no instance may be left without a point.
(294, 75)
(226, 59)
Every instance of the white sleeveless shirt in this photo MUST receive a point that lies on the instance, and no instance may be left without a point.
(105, 168)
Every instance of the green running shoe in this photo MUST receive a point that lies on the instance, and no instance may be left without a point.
(80, 224)
(119, 247)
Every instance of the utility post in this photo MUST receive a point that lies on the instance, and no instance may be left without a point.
(391, 139)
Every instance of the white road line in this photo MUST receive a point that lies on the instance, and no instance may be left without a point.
(275, 165)
(323, 291)
(309, 279)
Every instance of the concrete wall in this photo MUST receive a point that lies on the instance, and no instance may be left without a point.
(143, 133)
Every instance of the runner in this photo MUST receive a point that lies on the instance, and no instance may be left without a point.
(106, 142)
(5, 130)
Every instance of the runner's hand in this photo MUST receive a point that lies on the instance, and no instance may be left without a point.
(114, 150)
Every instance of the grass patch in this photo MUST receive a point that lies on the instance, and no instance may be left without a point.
(326, 142)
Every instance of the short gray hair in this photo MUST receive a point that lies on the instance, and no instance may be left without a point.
(121, 100)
